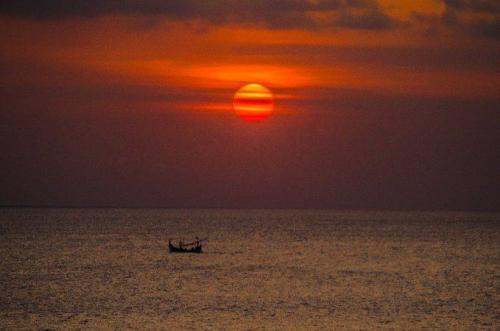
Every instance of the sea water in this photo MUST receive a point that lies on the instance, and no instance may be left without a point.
(261, 269)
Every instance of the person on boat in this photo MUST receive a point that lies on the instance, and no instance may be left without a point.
(197, 242)
(181, 244)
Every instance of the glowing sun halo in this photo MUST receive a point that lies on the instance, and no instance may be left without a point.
(253, 102)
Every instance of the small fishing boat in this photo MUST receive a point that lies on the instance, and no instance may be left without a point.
(179, 249)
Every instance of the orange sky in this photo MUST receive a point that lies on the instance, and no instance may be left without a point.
(387, 104)
(194, 54)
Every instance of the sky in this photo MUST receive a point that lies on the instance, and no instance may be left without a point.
(388, 104)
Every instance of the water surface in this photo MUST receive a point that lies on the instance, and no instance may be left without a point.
(109, 268)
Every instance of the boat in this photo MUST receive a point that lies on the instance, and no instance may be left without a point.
(178, 249)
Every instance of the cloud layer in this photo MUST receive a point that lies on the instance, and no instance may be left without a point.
(479, 18)
(279, 14)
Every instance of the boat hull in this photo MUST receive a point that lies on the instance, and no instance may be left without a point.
(174, 249)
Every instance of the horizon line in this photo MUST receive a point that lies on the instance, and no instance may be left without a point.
(340, 209)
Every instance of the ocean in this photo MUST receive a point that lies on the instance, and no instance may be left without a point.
(261, 269)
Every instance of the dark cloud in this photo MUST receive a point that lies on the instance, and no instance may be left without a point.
(281, 14)
(487, 6)
(489, 29)
(374, 19)
(487, 17)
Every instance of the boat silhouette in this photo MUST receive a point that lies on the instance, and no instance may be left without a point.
(197, 248)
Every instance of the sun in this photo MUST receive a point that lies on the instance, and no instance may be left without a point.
(253, 102)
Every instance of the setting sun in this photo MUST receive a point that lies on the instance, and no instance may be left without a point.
(253, 102)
